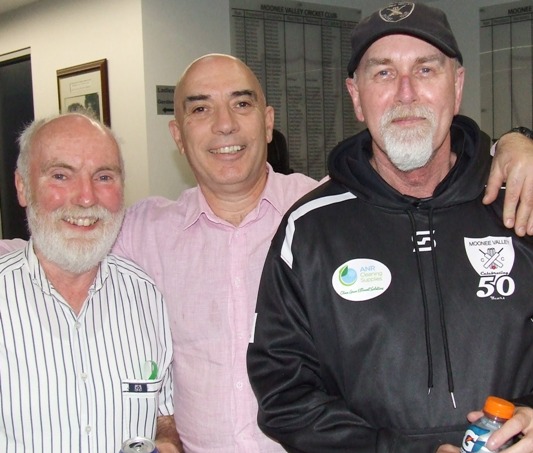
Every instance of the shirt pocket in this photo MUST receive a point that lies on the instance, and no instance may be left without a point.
(140, 402)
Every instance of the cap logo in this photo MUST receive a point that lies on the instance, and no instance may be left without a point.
(396, 12)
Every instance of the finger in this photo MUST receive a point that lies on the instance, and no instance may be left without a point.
(524, 218)
(524, 215)
(474, 415)
(515, 425)
(513, 162)
(494, 183)
(510, 204)
(530, 225)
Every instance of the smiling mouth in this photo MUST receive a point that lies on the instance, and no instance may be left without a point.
(81, 221)
(227, 149)
(407, 118)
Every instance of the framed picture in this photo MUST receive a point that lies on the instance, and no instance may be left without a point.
(85, 87)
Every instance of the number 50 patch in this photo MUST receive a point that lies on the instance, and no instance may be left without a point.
(492, 257)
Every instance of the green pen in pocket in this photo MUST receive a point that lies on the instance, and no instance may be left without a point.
(149, 370)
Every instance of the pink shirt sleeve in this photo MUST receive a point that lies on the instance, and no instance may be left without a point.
(9, 245)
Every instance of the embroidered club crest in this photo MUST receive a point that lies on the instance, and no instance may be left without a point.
(396, 12)
(490, 255)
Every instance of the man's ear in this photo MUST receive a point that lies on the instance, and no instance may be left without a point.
(459, 84)
(269, 122)
(176, 135)
(353, 89)
(21, 189)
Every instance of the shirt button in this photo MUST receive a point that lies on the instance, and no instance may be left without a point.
(87, 429)
(84, 376)
(77, 325)
(239, 385)
(237, 282)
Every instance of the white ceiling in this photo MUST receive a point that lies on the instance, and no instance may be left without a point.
(8, 5)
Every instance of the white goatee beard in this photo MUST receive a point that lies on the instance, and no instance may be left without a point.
(408, 148)
(75, 253)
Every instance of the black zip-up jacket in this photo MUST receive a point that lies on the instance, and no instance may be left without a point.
(377, 312)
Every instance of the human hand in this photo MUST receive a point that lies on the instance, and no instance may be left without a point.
(167, 439)
(447, 448)
(513, 163)
(167, 447)
(520, 423)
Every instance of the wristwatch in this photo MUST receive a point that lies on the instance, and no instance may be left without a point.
(523, 130)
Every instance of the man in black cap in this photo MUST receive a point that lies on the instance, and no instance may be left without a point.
(392, 301)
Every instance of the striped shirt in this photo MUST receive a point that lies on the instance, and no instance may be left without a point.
(74, 383)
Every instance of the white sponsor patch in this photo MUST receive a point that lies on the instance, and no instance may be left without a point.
(490, 255)
(361, 279)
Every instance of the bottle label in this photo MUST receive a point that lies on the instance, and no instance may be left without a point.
(475, 439)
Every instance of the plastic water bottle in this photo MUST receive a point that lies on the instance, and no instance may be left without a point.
(495, 413)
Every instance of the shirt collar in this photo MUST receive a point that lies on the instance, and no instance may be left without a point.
(272, 194)
(39, 278)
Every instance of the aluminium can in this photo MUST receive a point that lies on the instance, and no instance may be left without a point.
(138, 445)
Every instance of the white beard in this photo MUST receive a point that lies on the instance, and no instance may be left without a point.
(75, 253)
(408, 148)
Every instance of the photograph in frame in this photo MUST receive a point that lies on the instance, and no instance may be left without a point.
(85, 87)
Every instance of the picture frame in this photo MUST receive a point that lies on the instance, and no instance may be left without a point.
(85, 87)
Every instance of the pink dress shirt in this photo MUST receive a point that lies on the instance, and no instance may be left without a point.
(208, 271)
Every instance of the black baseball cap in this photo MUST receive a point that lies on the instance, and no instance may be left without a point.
(404, 18)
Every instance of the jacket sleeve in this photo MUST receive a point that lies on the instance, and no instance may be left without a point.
(295, 406)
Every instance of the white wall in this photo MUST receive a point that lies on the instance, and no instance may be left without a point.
(175, 33)
(149, 43)
(65, 33)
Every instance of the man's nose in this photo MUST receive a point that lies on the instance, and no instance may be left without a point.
(85, 195)
(406, 93)
(225, 121)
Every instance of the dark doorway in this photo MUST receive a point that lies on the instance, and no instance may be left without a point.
(16, 110)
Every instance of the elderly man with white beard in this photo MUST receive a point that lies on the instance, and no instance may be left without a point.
(85, 350)
(392, 301)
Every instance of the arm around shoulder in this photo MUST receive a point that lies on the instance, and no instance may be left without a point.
(10, 245)
(513, 164)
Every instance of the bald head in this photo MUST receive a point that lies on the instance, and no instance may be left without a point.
(222, 125)
(62, 125)
(206, 71)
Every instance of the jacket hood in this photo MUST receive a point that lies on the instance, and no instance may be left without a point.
(349, 165)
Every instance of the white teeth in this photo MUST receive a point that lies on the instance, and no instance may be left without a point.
(227, 149)
(82, 221)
